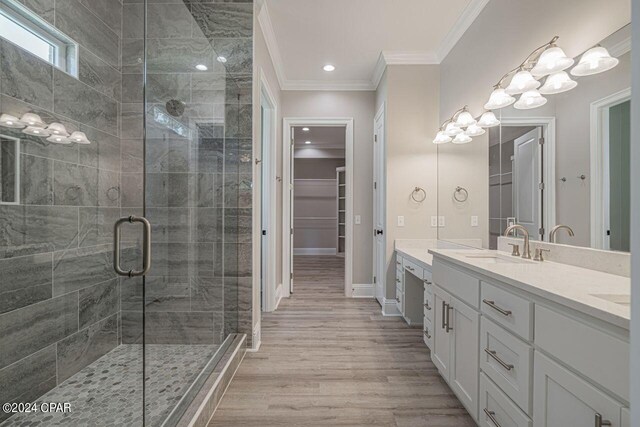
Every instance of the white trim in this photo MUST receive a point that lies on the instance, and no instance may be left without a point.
(264, 19)
(363, 290)
(269, 291)
(346, 85)
(390, 308)
(620, 48)
(256, 339)
(549, 173)
(288, 124)
(597, 166)
(380, 145)
(279, 295)
(466, 18)
(315, 251)
(399, 58)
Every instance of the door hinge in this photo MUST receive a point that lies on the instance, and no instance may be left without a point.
(374, 280)
(375, 138)
(292, 231)
(541, 186)
(541, 231)
(291, 276)
(541, 141)
(375, 185)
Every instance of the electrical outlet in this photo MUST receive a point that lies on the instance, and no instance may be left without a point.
(474, 221)
(441, 221)
(434, 221)
(358, 219)
(400, 221)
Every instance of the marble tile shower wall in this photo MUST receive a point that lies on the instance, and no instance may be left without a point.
(59, 297)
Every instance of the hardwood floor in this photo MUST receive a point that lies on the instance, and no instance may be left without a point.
(327, 360)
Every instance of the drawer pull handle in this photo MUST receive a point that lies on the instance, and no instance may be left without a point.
(398, 280)
(495, 357)
(410, 268)
(398, 262)
(600, 422)
(427, 306)
(426, 334)
(492, 416)
(493, 305)
(444, 311)
(426, 282)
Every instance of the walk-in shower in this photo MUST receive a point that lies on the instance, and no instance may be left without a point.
(122, 109)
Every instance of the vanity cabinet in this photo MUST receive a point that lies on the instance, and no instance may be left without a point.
(410, 292)
(455, 349)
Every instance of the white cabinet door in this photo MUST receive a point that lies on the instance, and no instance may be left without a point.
(441, 351)
(464, 325)
(562, 399)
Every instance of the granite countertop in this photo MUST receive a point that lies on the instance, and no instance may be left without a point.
(571, 286)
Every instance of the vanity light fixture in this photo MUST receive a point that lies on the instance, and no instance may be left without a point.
(58, 139)
(488, 120)
(557, 83)
(474, 130)
(329, 67)
(499, 99)
(551, 61)
(32, 119)
(441, 138)
(36, 131)
(461, 138)
(521, 82)
(452, 129)
(202, 67)
(465, 119)
(9, 121)
(57, 129)
(595, 60)
(79, 138)
(530, 99)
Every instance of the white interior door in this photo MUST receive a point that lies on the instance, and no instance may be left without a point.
(379, 241)
(527, 188)
(264, 217)
(291, 216)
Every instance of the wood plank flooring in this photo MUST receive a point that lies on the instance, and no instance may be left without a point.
(327, 360)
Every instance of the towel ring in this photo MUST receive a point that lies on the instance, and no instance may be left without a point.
(419, 190)
(460, 194)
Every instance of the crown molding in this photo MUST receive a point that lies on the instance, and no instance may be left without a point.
(400, 58)
(338, 85)
(264, 19)
(620, 48)
(466, 18)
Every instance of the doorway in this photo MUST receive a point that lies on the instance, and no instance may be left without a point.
(317, 195)
(379, 200)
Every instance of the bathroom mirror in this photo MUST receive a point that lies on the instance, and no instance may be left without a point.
(9, 170)
(563, 163)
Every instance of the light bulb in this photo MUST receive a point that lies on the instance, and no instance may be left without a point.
(441, 138)
(36, 131)
(595, 60)
(499, 99)
(557, 83)
(488, 120)
(79, 138)
(530, 99)
(474, 130)
(521, 82)
(58, 139)
(452, 129)
(9, 121)
(552, 60)
(32, 119)
(465, 119)
(57, 129)
(461, 138)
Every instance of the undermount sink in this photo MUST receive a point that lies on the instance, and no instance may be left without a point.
(622, 299)
(494, 259)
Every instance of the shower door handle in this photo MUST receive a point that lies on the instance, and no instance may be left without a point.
(146, 246)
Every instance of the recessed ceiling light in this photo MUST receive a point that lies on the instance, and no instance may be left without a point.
(305, 129)
(328, 67)
(307, 142)
(202, 67)
(221, 59)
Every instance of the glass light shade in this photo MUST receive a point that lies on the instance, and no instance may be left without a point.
(595, 60)
(488, 120)
(461, 138)
(452, 129)
(36, 131)
(499, 99)
(551, 61)
(465, 119)
(557, 83)
(59, 139)
(530, 99)
(79, 138)
(441, 138)
(521, 82)
(9, 121)
(32, 119)
(474, 130)
(57, 129)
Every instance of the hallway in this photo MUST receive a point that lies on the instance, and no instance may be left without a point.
(330, 360)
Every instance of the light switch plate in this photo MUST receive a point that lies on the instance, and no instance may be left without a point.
(441, 221)
(434, 221)
(358, 220)
(401, 221)
(474, 221)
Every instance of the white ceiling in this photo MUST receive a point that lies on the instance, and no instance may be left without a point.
(359, 37)
(320, 137)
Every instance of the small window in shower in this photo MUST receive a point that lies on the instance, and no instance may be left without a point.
(9, 170)
(25, 29)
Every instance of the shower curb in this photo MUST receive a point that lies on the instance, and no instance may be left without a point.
(206, 402)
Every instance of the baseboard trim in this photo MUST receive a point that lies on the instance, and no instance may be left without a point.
(362, 290)
(279, 296)
(315, 251)
(256, 338)
(390, 308)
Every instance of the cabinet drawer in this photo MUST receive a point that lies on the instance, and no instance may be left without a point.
(599, 355)
(413, 268)
(427, 332)
(399, 262)
(427, 277)
(462, 285)
(428, 306)
(507, 361)
(494, 403)
(399, 280)
(511, 311)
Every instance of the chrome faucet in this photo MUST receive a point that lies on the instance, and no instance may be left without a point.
(526, 251)
(554, 231)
